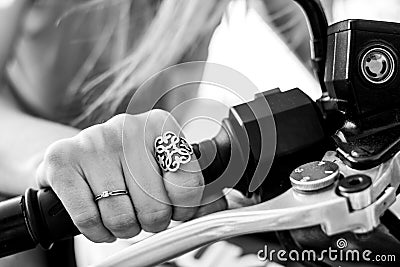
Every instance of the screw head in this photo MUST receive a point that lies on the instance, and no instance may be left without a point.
(354, 183)
(314, 176)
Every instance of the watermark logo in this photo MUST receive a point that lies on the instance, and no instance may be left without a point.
(341, 243)
(340, 253)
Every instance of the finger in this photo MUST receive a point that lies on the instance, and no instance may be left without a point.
(185, 188)
(77, 200)
(117, 212)
(218, 205)
(144, 182)
(185, 185)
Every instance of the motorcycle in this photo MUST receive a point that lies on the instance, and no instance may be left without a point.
(333, 177)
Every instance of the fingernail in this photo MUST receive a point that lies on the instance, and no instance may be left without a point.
(111, 240)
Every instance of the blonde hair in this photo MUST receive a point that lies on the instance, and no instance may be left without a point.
(167, 30)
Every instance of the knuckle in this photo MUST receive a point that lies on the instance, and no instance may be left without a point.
(155, 221)
(183, 198)
(61, 153)
(117, 122)
(120, 223)
(158, 117)
(190, 191)
(86, 141)
(132, 126)
(100, 239)
(111, 137)
(159, 113)
(184, 214)
(87, 220)
(119, 129)
(194, 181)
(194, 195)
(119, 119)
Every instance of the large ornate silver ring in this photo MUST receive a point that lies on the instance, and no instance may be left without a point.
(171, 151)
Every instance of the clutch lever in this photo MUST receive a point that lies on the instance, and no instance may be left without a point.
(336, 212)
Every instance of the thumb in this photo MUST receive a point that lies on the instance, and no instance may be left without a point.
(41, 177)
(232, 199)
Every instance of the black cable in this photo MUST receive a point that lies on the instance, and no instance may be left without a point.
(392, 222)
(318, 25)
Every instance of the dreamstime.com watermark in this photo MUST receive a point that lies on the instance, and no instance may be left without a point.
(340, 253)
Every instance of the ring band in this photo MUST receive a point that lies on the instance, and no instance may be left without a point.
(171, 151)
(107, 194)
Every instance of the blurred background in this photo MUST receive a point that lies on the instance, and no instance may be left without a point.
(268, 42)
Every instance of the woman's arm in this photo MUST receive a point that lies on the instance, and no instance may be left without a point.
(23, 140)
(11, 19)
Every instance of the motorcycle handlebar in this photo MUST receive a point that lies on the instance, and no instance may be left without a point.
(227, 160)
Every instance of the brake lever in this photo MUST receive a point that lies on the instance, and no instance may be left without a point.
(334, 212)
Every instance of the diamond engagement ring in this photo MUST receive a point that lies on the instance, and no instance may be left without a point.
(107, 194)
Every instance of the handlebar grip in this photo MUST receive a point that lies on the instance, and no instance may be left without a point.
(36, 218)
(15, 235)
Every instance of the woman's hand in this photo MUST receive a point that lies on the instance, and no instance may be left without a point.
(119, 155)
